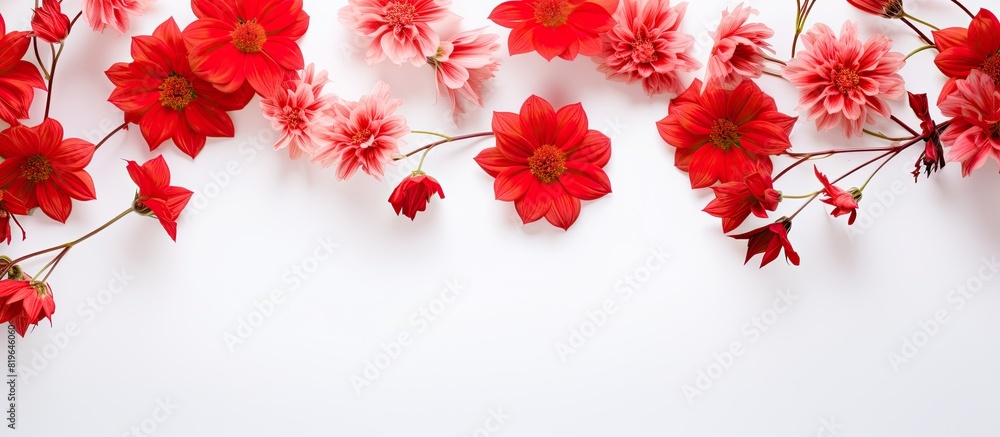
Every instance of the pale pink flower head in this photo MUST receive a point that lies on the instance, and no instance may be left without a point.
(974, 131)
(647, 46)
(462, 64)
(362, 135)
(739, 48)
(295, 109)
(844, 81)
(400, 28)
(102, 14)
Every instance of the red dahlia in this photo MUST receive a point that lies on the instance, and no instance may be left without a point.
(414, 193)
(156, 197)
(24, 302)
(158, 91)
(963, 50)
(723, 135)
(9, 206)
(563, 28)
(770, 240)
(246, 41)
(546, 162)
(44, 170)
(734, 201)
(17, 77)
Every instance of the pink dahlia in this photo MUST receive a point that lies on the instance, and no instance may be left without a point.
(102, 14)
(646, 45)
(400, 28)
(294, 112)
(462, 64)
(974, 132)
(739, 48)
(362, 135)
(844, 81)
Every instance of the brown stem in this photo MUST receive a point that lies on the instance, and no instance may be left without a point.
(449, 140)
(111, 134)
(918, 31)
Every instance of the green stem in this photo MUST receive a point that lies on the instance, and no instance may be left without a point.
(886, 137)
(921, 21)
(420, 166)
(918, 50)
(919, 32)
(96, 231)
(449, 140)
(805, 196)
(423, 132)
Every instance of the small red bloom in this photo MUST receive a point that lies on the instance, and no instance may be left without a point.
(17, 77)
(414, 193)
(156, 197)
(159, 92)
(546, 162)
(49, 23)
(770, 240)
(563, 28)
(9, 206)
(844, 202)
(933, 156)
(246, 41)
(45, 170)
(882, 8)
(722, 135)
(24, 302)
(963, 50)
(734, 201)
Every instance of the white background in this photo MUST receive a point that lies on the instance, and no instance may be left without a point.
(822, 366)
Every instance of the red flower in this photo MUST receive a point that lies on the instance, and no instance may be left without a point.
(49, 23)
(238, 41)
(963, 50)
(563, 28)
(883, 8)
(734, 201)
(723, 135)
(44, 170)
(933, 156)
(546, 162)
(17, 77)
(770, 240)
(844, 202)
(10, 205)
(414, 193)
(156, 197)
(158, 91)
(25, 302)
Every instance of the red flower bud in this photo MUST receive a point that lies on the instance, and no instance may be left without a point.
(414, 193)
(49, 23)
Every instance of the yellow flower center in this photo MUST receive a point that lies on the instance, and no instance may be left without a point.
(725, 134)
(176, 92)
(249, 37)
(36, 168)
(552, 13)
(547, 163)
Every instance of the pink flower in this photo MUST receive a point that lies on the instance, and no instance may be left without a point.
(294, 112)
(363, 135)
(114, 13)
(974, 131)
(400, 28)
(739, 48)
(462, 64)
(645, 45)
(844, 202)
(844, 82)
